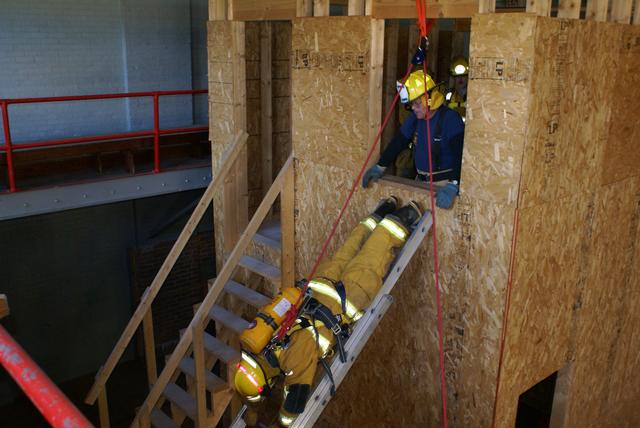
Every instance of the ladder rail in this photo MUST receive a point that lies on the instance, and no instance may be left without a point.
(364, 327)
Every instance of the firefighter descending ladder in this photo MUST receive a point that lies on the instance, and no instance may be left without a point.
(362, 331)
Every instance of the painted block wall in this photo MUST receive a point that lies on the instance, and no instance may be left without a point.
(76, 47)
(68, 279)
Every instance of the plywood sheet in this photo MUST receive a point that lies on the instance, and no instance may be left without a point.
(389, 361)
(621, 154)
(569, 108)
(330, 79)
(605, 296)
(548, 275)
(497, 107)
(490, 229)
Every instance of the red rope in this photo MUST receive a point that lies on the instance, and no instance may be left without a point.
(425, 26)
(292, 314)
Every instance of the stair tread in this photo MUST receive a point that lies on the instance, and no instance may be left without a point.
(261, 268)
(213, 382)
(220, 349)
(268, 241)
(246, 294)
(228, 319)
(160, 420)
(182, 399)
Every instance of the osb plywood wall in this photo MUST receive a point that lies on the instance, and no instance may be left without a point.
(574, 291)
(234, 103)
(549, 203)
(395, 381)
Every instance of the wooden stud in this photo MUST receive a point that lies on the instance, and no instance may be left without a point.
(539, 7)
(200, 386)
(224, 167)
(569, 9)
(236, 195)
(390, 77)
(287, 227)
(636, 13)
(103, 409)
(149, 347)
(368, 7)
(221, 400)
(4, 306)
(621, 11)
(304, 8)
(487, 6)
(212, 296)
(597, 10)
(266, 105)
(356, 7)
(144, 420)
(375, 81)
(321, 7)
(217, 10)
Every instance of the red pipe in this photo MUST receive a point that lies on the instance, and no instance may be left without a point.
(102, 96)
(156, 134)
(7, 146)
(45, 395)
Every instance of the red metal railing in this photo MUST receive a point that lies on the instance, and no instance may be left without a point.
(45, 395)
(156, 132)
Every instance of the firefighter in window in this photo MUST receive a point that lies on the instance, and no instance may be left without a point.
(456, 97)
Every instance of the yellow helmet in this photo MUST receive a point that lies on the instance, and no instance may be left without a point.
(413, 88)
(250, 379)
(459, 67)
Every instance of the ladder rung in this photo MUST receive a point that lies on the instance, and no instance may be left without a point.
(246, 294)
(213, 382)
(160, 420)
(228, 319)
(272, 273)
(182, 399)
(219, 349)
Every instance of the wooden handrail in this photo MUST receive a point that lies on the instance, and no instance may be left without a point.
(201, 315)
(150, 293)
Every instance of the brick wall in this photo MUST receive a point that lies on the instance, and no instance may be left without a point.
(185, 286)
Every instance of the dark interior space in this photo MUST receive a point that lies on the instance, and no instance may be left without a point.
(535, 404)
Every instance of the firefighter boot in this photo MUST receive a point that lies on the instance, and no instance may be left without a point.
(386, 206)
(408, 215)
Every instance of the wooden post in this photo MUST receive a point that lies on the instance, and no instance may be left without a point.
(597, 10)
(636, 13)
(356, 7)
(145, 413)
(569, 9)
(200, 386)
(103, 408)
(487, 6)
(149, 348)
(217, 10)
(321, 7)
(390, 77)
(621, 11)
(266, 105)
(235, 196)
(304, 8)
(375, 81)
(539, 7)
(287, 224)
